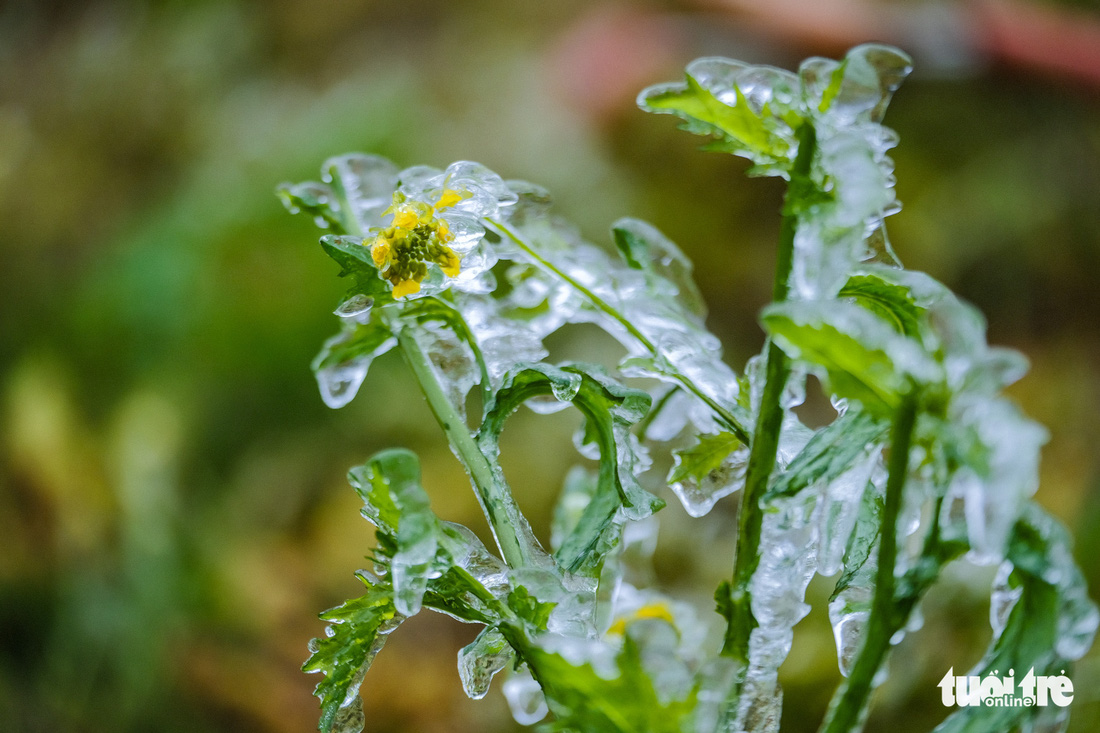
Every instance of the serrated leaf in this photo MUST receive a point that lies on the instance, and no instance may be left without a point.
(889, 301)
(863, 358)
(582, 700)
(609, 409)
(396, 503)
(1051, 600)
(356, 637)
(345, 359)
(829, 453)
(705, 456)
(529, 608)
(355, 262)
(708, 114)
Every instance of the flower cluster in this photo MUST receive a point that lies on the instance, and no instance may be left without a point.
(416, 236)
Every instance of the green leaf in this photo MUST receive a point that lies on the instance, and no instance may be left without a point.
(830, 452)
(859, 556)
(863, 358)
(396, 503)
(317, 200)
(345, 359)
(667, 268)
(705, 113)
(892, 302)
(357, 634)
(1051, 623)
(609, 409)
(705, 456)
(584, 702)
(355, 262)
(836, 80)
(529, 608)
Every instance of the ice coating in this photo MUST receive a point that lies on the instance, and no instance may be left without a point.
(787, 562)
(699, 497)
(844, 101)
(840, 510)
(480, 660)
(451, 359)
(995, 496)
(504, 342)
(366, 182)
(974, 450)
(850, 605)
(356, 308)
(339, 378)
(525, 698)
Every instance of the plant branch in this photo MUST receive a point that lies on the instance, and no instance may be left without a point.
(508, 524)
(724, 414)
(769, 423)
(885, 618)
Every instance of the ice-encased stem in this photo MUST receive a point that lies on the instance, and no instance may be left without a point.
(846, 708)
(765, 441)
(505, 518)
(724, 414)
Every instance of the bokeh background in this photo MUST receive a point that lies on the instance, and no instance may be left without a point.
(173, 512)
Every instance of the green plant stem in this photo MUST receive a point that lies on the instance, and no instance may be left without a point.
(505, 518)
(769, 423)
(846, 709)
(723, 413)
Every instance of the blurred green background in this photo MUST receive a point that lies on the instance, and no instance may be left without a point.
(173, 512)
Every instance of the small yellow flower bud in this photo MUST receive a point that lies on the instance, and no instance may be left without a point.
(405, 217)
(443, 232)
(406, 287)
(652, 610)
(449, 263)
(449, 198)
(380, 253)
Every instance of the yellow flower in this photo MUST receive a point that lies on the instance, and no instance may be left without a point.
(406, 217)
(406, 287)
(380, 253)
(656, 610)
(415, 238)
(449, 198)
(448, 262)
(443, 232)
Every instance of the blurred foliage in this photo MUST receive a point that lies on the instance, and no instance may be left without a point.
(172, 498)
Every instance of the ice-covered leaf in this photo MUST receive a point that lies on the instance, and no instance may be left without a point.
(850, 603)
(889, 301)
(396, 503)
(745, 107)
(344, 360)
(1048, 621)
(317, 200)
(355, 263)
(581, 699)
(861, 356)
(647, 249)
(481, 659)
(530, 609)
(365, 183)
(706, 455)
(356, 633)
(704, 473)
(609, 410)
(832, 451)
